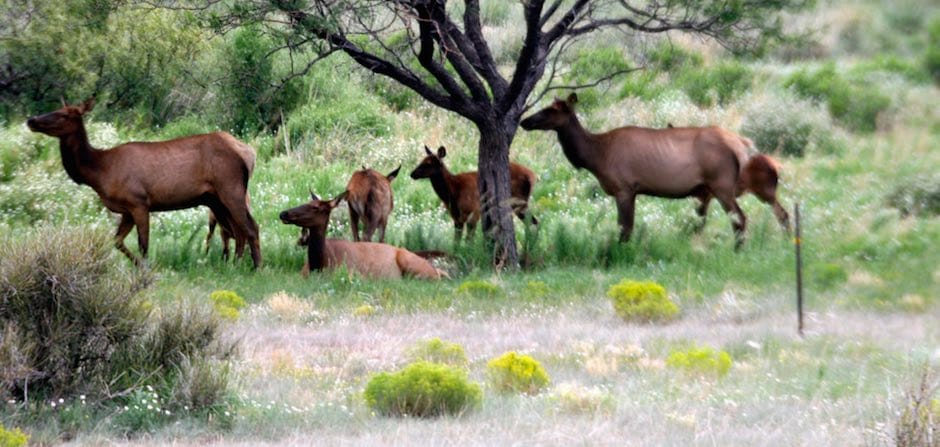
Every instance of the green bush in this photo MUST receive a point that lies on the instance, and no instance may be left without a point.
(716, 85)
(516, 373)
(435, 350)
(478, 288)
(932, 56)
(12, 438)
(827, 275)
(700, 360)
(75, 324)
(644, 301)
(669, 57)
(422, 389)
(856, 105)
(917, 195)
(790, 126)
(227, 303)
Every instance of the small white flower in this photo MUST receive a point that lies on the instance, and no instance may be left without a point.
(82, 397)
(227, 413)
(61, 400)
(53, 404)
(150, 407)
(166, 412)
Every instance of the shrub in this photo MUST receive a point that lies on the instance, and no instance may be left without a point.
(828, 275)
(365, 310)
(478, 288)
(574, 398)
(789, 126)
(435, 350)
(516, 373)
(12, 438)
(75, 324)
(717, 85)
(932, 57)
(919, 420)
(703, 360)
(917, 195)
(669, 57)
(422, 389)
(644, 301)
(227, 303)
(856, 105)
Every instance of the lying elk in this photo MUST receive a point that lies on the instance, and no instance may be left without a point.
(135, 179)
(460, 194)
(370, 198)
(372, 259)
(701, 162)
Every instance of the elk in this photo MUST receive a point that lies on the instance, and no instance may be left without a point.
(248, 154)
(135, 179)
(371, 259)
(676, 162)
(460, 194)
(370, 198)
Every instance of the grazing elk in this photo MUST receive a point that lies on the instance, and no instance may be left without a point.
(701, 162)
(460, 194)
(135, 179)
(370, 198)
(372, 259)
(248, 154)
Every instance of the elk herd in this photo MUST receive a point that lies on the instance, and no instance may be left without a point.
(137, 178)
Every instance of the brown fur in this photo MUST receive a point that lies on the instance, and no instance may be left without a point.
(372, 259)
(248, 154)
(460, 193)
(675, 162)
(370, 199)
(135, 179)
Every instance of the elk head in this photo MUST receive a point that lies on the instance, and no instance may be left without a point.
(553, 116)
(431, 164)
(314, 214)
(63, 121)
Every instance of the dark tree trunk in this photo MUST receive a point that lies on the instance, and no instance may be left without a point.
(493, 165)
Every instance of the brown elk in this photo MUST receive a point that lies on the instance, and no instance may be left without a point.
(372, 259)
(370, 198)
(460, 194)
(701, 162)
(135, 179)
(248, 154)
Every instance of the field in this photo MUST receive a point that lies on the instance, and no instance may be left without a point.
(864, 173)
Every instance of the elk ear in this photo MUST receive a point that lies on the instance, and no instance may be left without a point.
(336, 200)
(428, 150)
(87, 105)
(572, 99)
(313, 196)
(391, 175)
(441, 152)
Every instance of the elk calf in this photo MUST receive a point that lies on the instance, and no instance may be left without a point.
(461, 196)
(369, 195)
(372, 259)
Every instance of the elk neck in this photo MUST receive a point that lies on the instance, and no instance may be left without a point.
(578, 144)
(442, 184)
(316, 248)
(78, 157)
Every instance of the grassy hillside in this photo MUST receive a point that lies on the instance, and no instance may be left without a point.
(852, 118)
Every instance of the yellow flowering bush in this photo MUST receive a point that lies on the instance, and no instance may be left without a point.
(701, 360)
(12, 438)
(644, 301)
(438, 351)
(422, 389)
(227, 303)
(517, 373)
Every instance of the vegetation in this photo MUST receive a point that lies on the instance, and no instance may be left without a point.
(644, 301)
(919, 422)
(516, 373)
(865, 184)
(700, 360)
(422, 389)
(12, 438)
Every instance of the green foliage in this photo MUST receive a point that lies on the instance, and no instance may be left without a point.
(670, 58)
(917, 195)
(591, 65)
(365, 310)
(75, 323)
(908, 69)
(644, 301)
(932, 56)
(703, 360)
(790, 126)
(855, 105)
(919, 422)
(827, 275)
(12, 438)
(227, 303)
(435, 350)
(422, 389)
(642, 84)
(721, 84)
(516, 373)
(478, 288)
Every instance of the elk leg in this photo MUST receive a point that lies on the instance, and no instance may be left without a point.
(142, 221)
(225, 224)
(731, 206)
(354, 223)
(244, 227)
(702, 210)
(212, 223)
(458, 233)
(769, 196)
(382, 225)
(369, 230)
(124, 228)
(626, 202)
